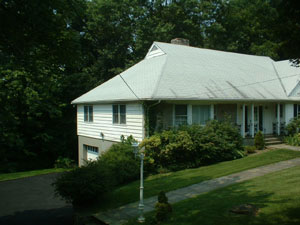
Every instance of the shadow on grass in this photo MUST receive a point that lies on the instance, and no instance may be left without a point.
(130, 193)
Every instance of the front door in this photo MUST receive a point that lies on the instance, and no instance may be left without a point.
(258, 118)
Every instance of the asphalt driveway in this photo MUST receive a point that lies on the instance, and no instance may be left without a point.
(31, 201)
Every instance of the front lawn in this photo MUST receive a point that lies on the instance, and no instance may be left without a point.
(13, 176)
(277, 195)
(174, 180)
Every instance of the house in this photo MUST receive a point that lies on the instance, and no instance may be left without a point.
(177, 84)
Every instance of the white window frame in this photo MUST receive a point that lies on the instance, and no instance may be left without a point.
(175, 122)
(88, 115)
(119, 122)
(91, 149)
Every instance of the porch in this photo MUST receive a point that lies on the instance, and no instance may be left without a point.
(268, 117)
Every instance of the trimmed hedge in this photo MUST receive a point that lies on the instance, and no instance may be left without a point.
(192, 146)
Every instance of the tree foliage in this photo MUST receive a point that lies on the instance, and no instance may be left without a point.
(53, 51)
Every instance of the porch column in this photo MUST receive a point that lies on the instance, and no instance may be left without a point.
(212, 111)
(252, 120)
(278, 119)
(189, 114)
(243, 122)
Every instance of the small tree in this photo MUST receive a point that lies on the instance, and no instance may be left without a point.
(162, 207)
(259, 141)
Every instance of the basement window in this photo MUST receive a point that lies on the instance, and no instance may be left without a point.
(91, 149)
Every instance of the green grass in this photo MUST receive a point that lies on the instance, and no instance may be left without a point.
(174, 180)
(277, 195)
(13, 176)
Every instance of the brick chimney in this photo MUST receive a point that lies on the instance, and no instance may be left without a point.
(180, 41)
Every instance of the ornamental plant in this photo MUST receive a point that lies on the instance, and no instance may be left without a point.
(162, 208)
(259, 141)
(192, 146)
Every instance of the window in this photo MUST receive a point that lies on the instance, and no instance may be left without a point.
(88, 113)
(201, 114)
(91, 149)
(180, 115)
(119, 114)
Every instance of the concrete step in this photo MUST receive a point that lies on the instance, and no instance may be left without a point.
(274, 142)
(272, 139)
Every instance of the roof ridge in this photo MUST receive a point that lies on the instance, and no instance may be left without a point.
(160, 77)
(208, 49)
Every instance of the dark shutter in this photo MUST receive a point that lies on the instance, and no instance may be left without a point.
(295, 110)
(85, 113)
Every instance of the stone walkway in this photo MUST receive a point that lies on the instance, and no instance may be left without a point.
(123, 214)
(284, 146)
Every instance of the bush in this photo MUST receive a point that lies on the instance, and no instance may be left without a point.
(86, 184)
(121, 162)
(162, 208)
(293, 127)
(64, 162)
(259, 141)
(250, 149)
(293, 140)
(192, 146)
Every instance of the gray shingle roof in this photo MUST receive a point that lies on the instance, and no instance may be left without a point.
(183, 72)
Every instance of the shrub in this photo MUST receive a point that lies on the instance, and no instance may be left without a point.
(64, 162)
(293, 140)
(293, 127)
(162, 208)
(86, 184)
(259, 141)
(192, 146)
(218, 141)
(250, 149)
(121, 162)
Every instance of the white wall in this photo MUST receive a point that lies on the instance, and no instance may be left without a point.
(102, 122)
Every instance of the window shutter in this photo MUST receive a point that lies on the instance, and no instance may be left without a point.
(295, 110)
(85, 113)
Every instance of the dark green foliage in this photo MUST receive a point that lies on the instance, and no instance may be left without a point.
(293, 139)
(120, 160)
(86, 184)
(162, 198)
(53, 51)
(293, 126)
(259, 141)
(64, 162)
(192, 146)
(250, 149)
(162, 208)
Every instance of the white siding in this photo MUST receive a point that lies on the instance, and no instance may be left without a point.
(102, 122)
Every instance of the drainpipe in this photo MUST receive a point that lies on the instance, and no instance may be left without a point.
(147, 116)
